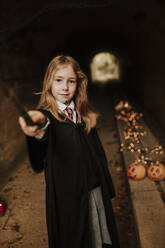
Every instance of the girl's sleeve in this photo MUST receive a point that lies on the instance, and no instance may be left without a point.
(37, 153)
(43, 130)
(37, 148)
(103, 160)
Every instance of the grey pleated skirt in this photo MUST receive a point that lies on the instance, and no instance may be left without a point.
(98, 223)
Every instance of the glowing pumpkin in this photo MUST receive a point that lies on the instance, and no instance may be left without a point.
(136, 171)
(156, 171)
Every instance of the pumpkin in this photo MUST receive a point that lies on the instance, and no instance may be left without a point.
(156, 171)
(136, 171)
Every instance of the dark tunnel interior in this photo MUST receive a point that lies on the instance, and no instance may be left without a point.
(133, 31)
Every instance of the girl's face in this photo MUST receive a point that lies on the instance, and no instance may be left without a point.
(64, 84)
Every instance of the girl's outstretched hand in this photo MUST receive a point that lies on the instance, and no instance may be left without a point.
(36, 117)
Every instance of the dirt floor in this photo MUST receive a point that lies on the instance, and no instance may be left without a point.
(24, 224)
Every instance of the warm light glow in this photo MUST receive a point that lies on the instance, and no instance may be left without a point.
(104, 67)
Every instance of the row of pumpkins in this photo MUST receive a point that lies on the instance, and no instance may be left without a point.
(137, 171)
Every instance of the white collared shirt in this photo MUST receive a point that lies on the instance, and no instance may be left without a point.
(63, 106)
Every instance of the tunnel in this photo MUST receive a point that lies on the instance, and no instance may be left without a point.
(133, 32)
(33, 33)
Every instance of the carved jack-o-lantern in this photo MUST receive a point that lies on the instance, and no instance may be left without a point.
(156, 171)
(136, 171)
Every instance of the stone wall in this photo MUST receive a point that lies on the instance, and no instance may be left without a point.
(12, 141)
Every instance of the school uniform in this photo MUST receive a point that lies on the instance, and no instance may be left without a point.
(79, 187)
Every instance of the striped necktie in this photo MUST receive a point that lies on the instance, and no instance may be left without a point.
(70, 112)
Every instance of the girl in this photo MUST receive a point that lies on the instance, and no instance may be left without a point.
(78, 183)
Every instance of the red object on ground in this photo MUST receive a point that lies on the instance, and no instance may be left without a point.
(2, 208)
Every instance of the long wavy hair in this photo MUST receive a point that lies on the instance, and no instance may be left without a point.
(47, 100)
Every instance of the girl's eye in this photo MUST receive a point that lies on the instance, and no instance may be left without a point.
(58, 79)
(71, 81)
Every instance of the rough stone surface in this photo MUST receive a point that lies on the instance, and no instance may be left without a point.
(12, 142)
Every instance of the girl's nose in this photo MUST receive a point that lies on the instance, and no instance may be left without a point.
(65, 85)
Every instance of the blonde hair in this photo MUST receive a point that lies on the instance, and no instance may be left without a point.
(48, 102)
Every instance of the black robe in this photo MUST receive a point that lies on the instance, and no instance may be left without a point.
(62, 154)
